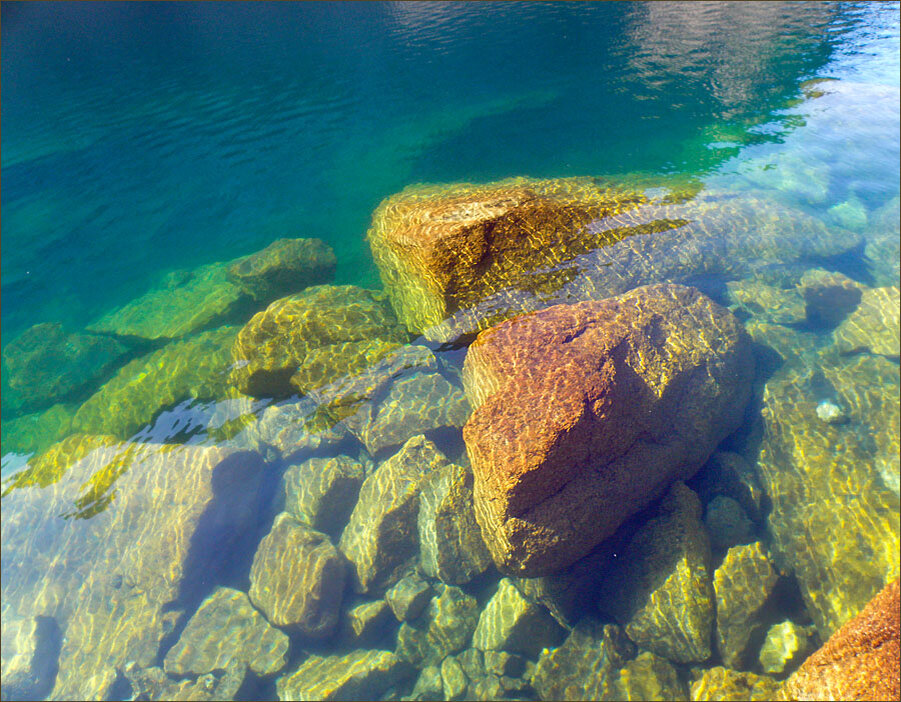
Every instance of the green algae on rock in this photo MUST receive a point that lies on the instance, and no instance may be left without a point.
(450, 541)
(186, 302)
(615, 400)
(109, 581)
(33, 433)
(724, 684)
(297, 578)
(834, 521)
(45, 365)
(659, 586)
(362, 674)
(193, 368)
(743, 584)
(322, 492)
(304, 341)
(284, 267)
(381, 539)
(227, 630)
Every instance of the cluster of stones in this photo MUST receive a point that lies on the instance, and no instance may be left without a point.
(593, 541)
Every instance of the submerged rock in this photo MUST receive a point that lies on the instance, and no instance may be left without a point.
(366, 621)
(322, 492)
(194, 368)
(186, 302)
(834, 522)
(33, 433)
(381, 537)
(444, 628)
(297, 578)
(829, 297)
(408, 597)
(585, 666)
(743, 583)
(458, 258)
(757, 299)
(785, 643)
(873, 325)
(153, 684)
(882, 252)
(730, 475)
(304, 341)
(860, 661)
(284, 267)
(649, 677)
(727, 523)
(450, 542)
(659, 586)
(723, 684)
(45, 365)
(226, 630)
(294, 430)
(614, 399)
(108, 581)
(359, 675)
(509, 622)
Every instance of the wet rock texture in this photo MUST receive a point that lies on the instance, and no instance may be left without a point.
(785, 643)
(659, 586)
(585, 413)
(226, 630)
(307, 340)
(322, 492)
(456, 259)
(362, 674)
(510, 622)
(381, 537)
(297, 578)
(728, 685)
(873, 325)
(283, 267)
(443, 629)
(860, 661)
(106, 581)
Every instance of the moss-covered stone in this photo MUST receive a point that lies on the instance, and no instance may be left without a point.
(297, 578)
(743, 583)
(649, 677)
(381, 537)
(108, 581)
(444, 628)
(33, 433)
(429, 685)
(304, 341)
(786, 645)
(727, 685)
(510, 622)
(192, 368)
(45, 365)
(322, 492)
(585, 665)
(226, 630)
(659, 586)
(362, 674)
(450, 542)
(284, 267)
(185, 303)
(873, 325)
(834, 521)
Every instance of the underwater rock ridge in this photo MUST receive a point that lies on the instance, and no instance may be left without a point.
(585, 413)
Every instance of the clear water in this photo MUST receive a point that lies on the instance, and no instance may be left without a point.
(140, 139)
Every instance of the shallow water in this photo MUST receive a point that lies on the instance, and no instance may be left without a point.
(144, 144)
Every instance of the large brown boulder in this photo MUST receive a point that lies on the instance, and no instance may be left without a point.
(586, 413)
(860, 661)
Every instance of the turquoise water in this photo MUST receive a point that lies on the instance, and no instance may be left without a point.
(144, 140)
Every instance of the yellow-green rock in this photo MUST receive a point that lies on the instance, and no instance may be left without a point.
(873, 326)
(32, 433)
(108, 581)
(153, 684)
(834, 521)
(648, 677)
(381, 537)
(659, 586)
(186, 302)
(304, 341)
(196, 368)
(509, 622)
(359, 675)
(585, 666)
(226, 630)
(284, 267)
(444, 628)
(297, 578)
(725, 685)
(450, 541)
(755, 298)
(786, 644)
(45, 365)
(408, 597)
(743, 583)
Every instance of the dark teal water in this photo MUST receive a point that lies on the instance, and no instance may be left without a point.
(144, 138)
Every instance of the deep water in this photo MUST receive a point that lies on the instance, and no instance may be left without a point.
(144, 140)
